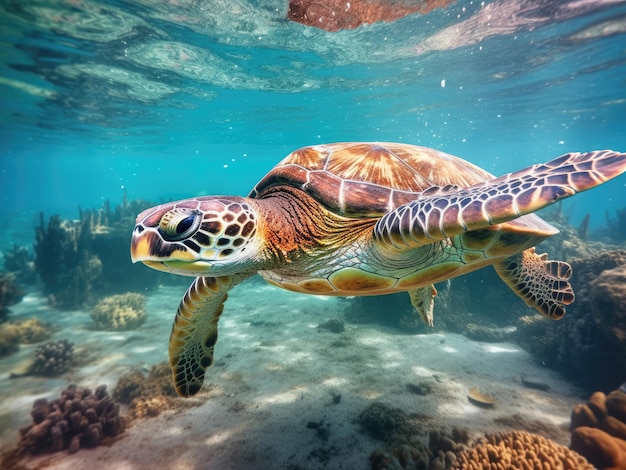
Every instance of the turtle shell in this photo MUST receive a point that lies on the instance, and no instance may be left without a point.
(368, 179)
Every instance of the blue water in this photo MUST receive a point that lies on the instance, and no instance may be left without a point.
(159, 100)
(175, 100)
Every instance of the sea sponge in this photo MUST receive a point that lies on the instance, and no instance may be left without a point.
(26, 331)
(79, 418)
(119, 312)
(519, 450)
(383, 422)
(9, 339)
(149, 396)
(599, 430)
(52, 358)
(410, 452)
(33, 330)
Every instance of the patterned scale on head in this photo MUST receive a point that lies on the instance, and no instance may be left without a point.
(189, 234)
(362, 219)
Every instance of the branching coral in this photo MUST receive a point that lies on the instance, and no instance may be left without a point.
(519, 450)
(64, 262)
(79, 418)
(79, 259)
(119, 312)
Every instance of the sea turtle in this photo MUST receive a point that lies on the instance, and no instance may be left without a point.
(362, 219)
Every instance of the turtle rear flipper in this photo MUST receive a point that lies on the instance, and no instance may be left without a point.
(423, 299)
(194, 332)
(540, 282)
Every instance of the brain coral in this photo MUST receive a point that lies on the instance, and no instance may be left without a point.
(519, 450)
(119, 312)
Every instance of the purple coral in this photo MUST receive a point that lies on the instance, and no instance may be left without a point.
(79, 418)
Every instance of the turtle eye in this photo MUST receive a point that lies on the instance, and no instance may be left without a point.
(179, 224)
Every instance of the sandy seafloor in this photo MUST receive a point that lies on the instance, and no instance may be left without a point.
(275, 372)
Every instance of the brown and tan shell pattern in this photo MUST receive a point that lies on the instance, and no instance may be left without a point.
(368, 179)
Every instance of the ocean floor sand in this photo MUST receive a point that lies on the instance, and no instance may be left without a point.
(275, 373)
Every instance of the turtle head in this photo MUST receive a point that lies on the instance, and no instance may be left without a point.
(205, 236)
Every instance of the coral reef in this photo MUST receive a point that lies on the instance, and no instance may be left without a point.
(28, 331)
(524, 447)
(33, 330)
(595, 361)
(608, 305)
(10, 294)
(52, 358)
(334, 15)
(599, 430)
(119, 312)
(79, 260)
(20, 262)
(79, 418)
(67, 268)
(411, 453)
(382, 422)
(518, 450)
(403, 440)
(470, 305)
(9, 339)
(148, 396)
(571, 242)
(615, 229)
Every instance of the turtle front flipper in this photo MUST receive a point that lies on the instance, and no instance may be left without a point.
(194, 332)
(441, 213)
(540, 282)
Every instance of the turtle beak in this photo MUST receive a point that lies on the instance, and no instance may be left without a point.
(148, 248)
(139, 248)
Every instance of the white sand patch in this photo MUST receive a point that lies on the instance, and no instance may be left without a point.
(274, 373)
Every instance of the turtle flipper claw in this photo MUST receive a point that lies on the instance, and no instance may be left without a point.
(540, 282)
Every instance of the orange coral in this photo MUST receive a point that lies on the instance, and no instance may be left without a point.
(519, 450)
(599, 430)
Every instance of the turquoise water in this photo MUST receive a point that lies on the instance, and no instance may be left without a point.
(153, 100)
(187, 98)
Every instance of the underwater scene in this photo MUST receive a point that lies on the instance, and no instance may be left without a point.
(407, 219)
